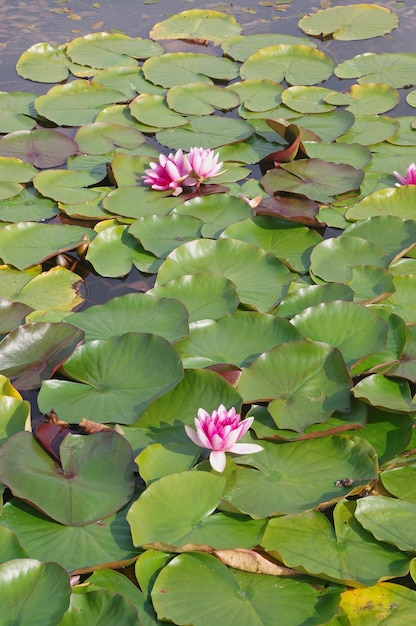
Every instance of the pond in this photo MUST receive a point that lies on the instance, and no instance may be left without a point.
(207, 364)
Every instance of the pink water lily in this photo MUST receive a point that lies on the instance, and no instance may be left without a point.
(169, 173)
(409, 179)
(219, 432)
(203, 163)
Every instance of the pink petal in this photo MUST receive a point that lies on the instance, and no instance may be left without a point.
(245, 448)
(193, 436)
(218, 460)
(244, 426)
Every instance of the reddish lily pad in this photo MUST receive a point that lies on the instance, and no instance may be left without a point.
(43, 148)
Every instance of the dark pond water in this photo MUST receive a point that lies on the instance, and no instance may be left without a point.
(22, 24)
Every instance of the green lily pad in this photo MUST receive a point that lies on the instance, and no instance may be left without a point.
(390, 232)
(10, 547)
(238, 339)
(153, 110)
(15, 170)
(181, 68)
(160, 234)
(258, 94)
(199, 24)
(76, 103)
(101, 50)
(298, 65)
(128, 80)
(175, 521)
(105, 541)
(403, 299)
(101, 137)
(389, 520)
(14, 412)
(293, 378)
(139, 367)
(200, 99)
(405, 135)
(385, 393)
(326, 126)
(115, 252)
(240, 47)
(392, 201)
(26, 587)
(311, 295)
(406, 365)
(355, 154)
(400, 481)
(133, 312)
(216, 211)
(162, 459)
(260, 279)
(350, 23)
(28, 243)
(370, 129)
(71, 492)
(43, 148)
(68, 186)
(394, 69)
(57, 289)
(289, 242)
(43, 63)
(307, 99)
(196, 587)
(206, 132)
(316, 179)
(354, 252)
(16, 111)
(206, 296)
(387, 434)
(292, 477)
(27, 206)
(35, 351)
(355, 330)
(346, 554)
(136, 202)
(366, 99)
(99, 607)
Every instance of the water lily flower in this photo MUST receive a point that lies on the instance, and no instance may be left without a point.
(203, 164)
(219, 432)
(169, 173)
(409, 179)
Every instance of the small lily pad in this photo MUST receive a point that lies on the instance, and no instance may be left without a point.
(197, 24)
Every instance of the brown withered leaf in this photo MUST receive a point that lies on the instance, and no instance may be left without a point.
(297, 209)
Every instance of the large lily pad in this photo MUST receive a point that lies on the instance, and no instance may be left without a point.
(27, 585)
(181, 68)
(35, 351)
(347, 553)
(199, 24)
(44, 63)
(72, 492)
(394, 69)
(316, 179)
(298, 476)
(298, 65)
(360, 21)
(207, 132)
(28, 243)
(101, 50)
(261, 280)
(133, 312)
(294, 378)
(117, 379)
(43, 148)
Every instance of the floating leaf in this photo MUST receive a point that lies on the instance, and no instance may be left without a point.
(374, 605)
(236, 339)
(385, 393)
(181, 68)
(298, 65)
(101, 137)
(240, 47)
(16, 111)
(160, 234)
(366, 99)
(28, 243)
(206, 132)
(394, 69)
(389, 520)
(197, 24)
(133, 312)
(43, 63)
(200, 99)
(117, 379)
(260, 279)
(101, 50)
(292, 477)
(43, 148)
(76, 103)
(33, 591)
(153, 110)
(350, 23)
(68, 186)
(314, 178)
(258, 94)
(73, 492)
(33, 352)
(293, 378)
(398, 201)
